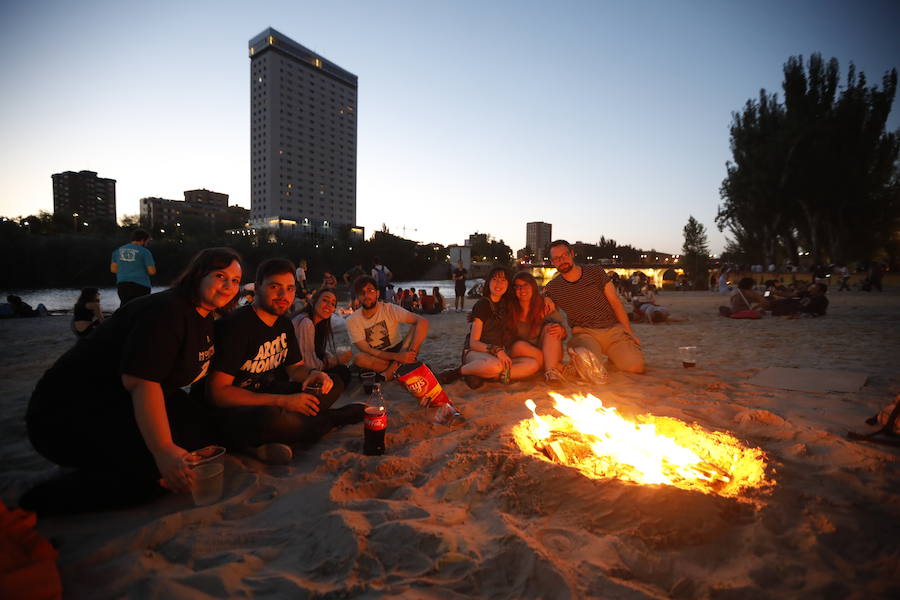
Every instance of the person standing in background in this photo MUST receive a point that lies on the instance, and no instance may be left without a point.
(459, 285)
(133, 265)
(382, 276)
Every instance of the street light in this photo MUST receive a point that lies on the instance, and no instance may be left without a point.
(75, 221)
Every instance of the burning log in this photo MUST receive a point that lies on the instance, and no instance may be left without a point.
(600, 443)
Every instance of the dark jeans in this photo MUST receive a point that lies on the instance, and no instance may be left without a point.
(244, 427)
(128, 291)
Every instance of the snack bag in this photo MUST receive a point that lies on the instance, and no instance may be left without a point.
(422, 384)
(588, 366)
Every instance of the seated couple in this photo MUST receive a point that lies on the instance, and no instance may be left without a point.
(505, 337)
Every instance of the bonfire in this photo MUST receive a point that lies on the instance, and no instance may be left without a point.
(600, 443)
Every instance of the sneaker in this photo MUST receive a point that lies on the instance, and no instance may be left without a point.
(347, 415)
(448, 376)
(473, 381)
(274, 453)
(569, 372)
(553, 377)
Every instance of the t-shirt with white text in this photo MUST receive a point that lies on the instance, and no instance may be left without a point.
(253, 352)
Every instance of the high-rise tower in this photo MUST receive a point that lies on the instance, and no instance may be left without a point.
(537, 238)
(84, 194)
(302, 138)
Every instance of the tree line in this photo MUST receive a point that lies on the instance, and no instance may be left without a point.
(41, 255)
(816, 172)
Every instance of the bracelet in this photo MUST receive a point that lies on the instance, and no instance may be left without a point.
(493, 349)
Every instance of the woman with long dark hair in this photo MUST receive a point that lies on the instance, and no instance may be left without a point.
(525, 319)
(316, 339)
(86, 314)
(488, 352)
(113, 407)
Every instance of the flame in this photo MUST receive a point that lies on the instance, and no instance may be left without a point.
(600, 443)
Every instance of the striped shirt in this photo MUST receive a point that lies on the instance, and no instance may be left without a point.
(583, 301)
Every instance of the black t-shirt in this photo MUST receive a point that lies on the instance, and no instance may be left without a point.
(160, 338)
(459, 284)
(815, 305)
(253, 352)
(493, 317)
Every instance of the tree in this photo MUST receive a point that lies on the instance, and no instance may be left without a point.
(818, 170)
(695, 251)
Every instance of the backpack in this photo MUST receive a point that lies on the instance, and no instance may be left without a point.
(889, 420)
(381, 277)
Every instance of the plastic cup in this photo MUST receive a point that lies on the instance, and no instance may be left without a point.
(208, 465)
(688, 356)
(368, 380)
(209, 479)
(315, 389)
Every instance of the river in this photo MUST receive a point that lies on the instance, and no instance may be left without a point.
(63, 299)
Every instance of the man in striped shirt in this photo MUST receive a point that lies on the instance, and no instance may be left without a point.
(595, 314)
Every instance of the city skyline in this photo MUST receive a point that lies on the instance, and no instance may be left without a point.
(601, 119)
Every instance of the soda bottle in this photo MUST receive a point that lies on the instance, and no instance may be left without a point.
(375, 423)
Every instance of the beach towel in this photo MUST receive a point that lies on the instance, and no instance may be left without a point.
(809, 380)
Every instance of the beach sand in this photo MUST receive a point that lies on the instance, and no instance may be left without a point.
(463, 513)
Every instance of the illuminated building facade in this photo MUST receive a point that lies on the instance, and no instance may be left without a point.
(537, 239)
(302, 139)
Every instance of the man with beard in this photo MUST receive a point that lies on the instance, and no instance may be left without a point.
(595, 314)
(375, 331)
(264, 393)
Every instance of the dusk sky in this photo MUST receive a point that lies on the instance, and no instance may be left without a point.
(602, 118)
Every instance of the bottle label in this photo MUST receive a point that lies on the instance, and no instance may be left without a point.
(376, 419)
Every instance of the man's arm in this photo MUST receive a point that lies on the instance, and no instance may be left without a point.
(151, 269)
(404, 356)
(610, 292)
(421, 327)
(220, 390)
(113, 267)
(306, 375)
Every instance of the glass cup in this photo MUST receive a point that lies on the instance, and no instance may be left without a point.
(208, 465)
(343, 353)
(688, 356)
(368, 380)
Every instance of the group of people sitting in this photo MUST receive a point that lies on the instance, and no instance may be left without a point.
(114, 408)
(799, 299)
(516, 332)
(186, 368)
(421, 301)
(16, 307)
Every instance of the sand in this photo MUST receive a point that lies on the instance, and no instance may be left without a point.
(463, 513)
